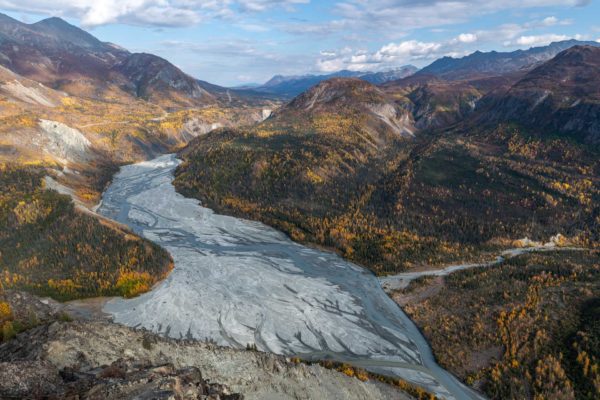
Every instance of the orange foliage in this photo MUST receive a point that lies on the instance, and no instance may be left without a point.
(133, 283)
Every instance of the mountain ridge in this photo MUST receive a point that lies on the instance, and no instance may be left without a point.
(65, 57)
(496, 63)
(291, 86)
(560, 96)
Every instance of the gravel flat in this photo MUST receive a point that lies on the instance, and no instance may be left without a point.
(238, 282)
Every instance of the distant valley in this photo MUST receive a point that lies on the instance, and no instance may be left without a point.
(372, 169)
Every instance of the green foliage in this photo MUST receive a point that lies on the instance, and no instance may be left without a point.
(51, 249)
(147, 342)
(8, 331)
(64, 317)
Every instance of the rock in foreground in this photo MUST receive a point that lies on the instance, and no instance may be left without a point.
(94, 360)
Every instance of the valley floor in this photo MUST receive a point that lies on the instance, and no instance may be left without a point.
(240, 283)
(288, 299)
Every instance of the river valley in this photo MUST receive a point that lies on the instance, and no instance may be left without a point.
(239, 283)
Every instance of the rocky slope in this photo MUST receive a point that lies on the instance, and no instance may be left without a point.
(80, 139)
(433, 102)
(560, 97)
(67, 58)
(151, 77)
(96, 360)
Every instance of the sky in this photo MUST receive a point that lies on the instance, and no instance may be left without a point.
(237, 42)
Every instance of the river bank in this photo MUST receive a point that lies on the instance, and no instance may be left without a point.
(240, 283)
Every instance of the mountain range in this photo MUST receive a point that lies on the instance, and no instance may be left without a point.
(66, 58)
(476, 65)
(398, 172)
(291, 86)
(495, 63)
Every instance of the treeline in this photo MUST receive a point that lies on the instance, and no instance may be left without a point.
(49, 248)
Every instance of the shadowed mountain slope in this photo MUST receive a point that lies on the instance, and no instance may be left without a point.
(560, 97)
(328, 170)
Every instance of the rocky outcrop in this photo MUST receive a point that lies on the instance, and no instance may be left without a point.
(64, 142)
(123, 379)
(99, 359)
(117, 362)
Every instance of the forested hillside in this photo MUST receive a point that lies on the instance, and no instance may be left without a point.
(387, 197)
(529, 328)
(51, 249)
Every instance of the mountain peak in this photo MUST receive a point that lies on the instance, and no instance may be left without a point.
(5, 18)
(66, 32)
(54, 21)
(336, 92)
(559, 96)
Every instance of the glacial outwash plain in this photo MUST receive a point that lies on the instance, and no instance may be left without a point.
(240, 283)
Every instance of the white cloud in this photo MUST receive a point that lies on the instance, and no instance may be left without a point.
(550, 21)
(396, 54)
(334, 65)
(326, 53)
(388, 56)
(547, 22)
(540, 40)
(144, 12)
(410, 48)
(598, 40)
(467, 38)
(388, 15)
(262, 5)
